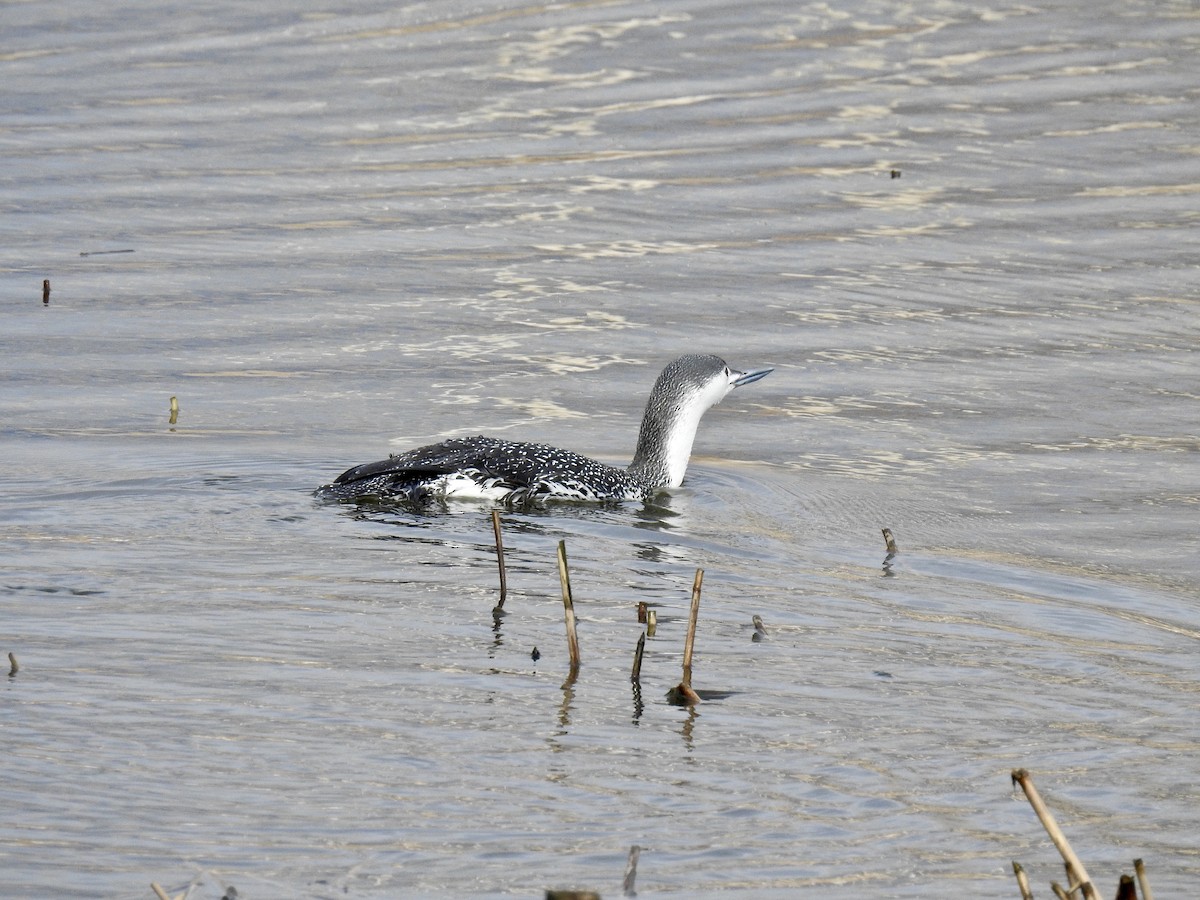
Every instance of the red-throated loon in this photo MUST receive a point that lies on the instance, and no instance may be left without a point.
(517, 472)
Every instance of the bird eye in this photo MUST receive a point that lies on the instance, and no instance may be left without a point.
(727, 372)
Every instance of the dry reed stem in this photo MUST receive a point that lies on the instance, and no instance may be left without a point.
(1022, 777)
(682, 694)
(500, 559)
(690, 643)
(564, 576)
(1022, 881)
(1143, 884)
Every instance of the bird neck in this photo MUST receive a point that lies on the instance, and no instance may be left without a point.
(665, 442)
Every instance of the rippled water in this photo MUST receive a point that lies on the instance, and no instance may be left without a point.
(964, 236)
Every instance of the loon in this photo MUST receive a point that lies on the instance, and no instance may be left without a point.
(522, 473)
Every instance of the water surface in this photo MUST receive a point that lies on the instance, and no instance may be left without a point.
(963, 235)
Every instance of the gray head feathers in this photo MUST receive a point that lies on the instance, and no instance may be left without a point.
(683, 393)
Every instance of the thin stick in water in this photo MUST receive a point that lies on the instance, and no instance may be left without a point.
(45, 291)
(500, 561)
(691, 632)
(174, 411)
(636, 675)
(564, 576)
(1022, 777)
(15, 666)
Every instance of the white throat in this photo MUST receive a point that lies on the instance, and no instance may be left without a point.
(669, 430)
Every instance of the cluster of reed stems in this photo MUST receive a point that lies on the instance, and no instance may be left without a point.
(682, 694)
(1079, 883)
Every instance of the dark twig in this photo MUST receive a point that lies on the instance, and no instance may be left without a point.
(636, 675)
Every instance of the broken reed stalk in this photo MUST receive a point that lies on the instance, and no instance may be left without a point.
(636, 675)
(564, 576)
(760, 630)
(1079, 873)
(45, 292)
(890, 542)
(1139, 869)
(691, 632)
(682, 694)
(159, 892)
(500, 560)
(14, 666)
(1022, 881)
(174, 419)
(627, 887)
